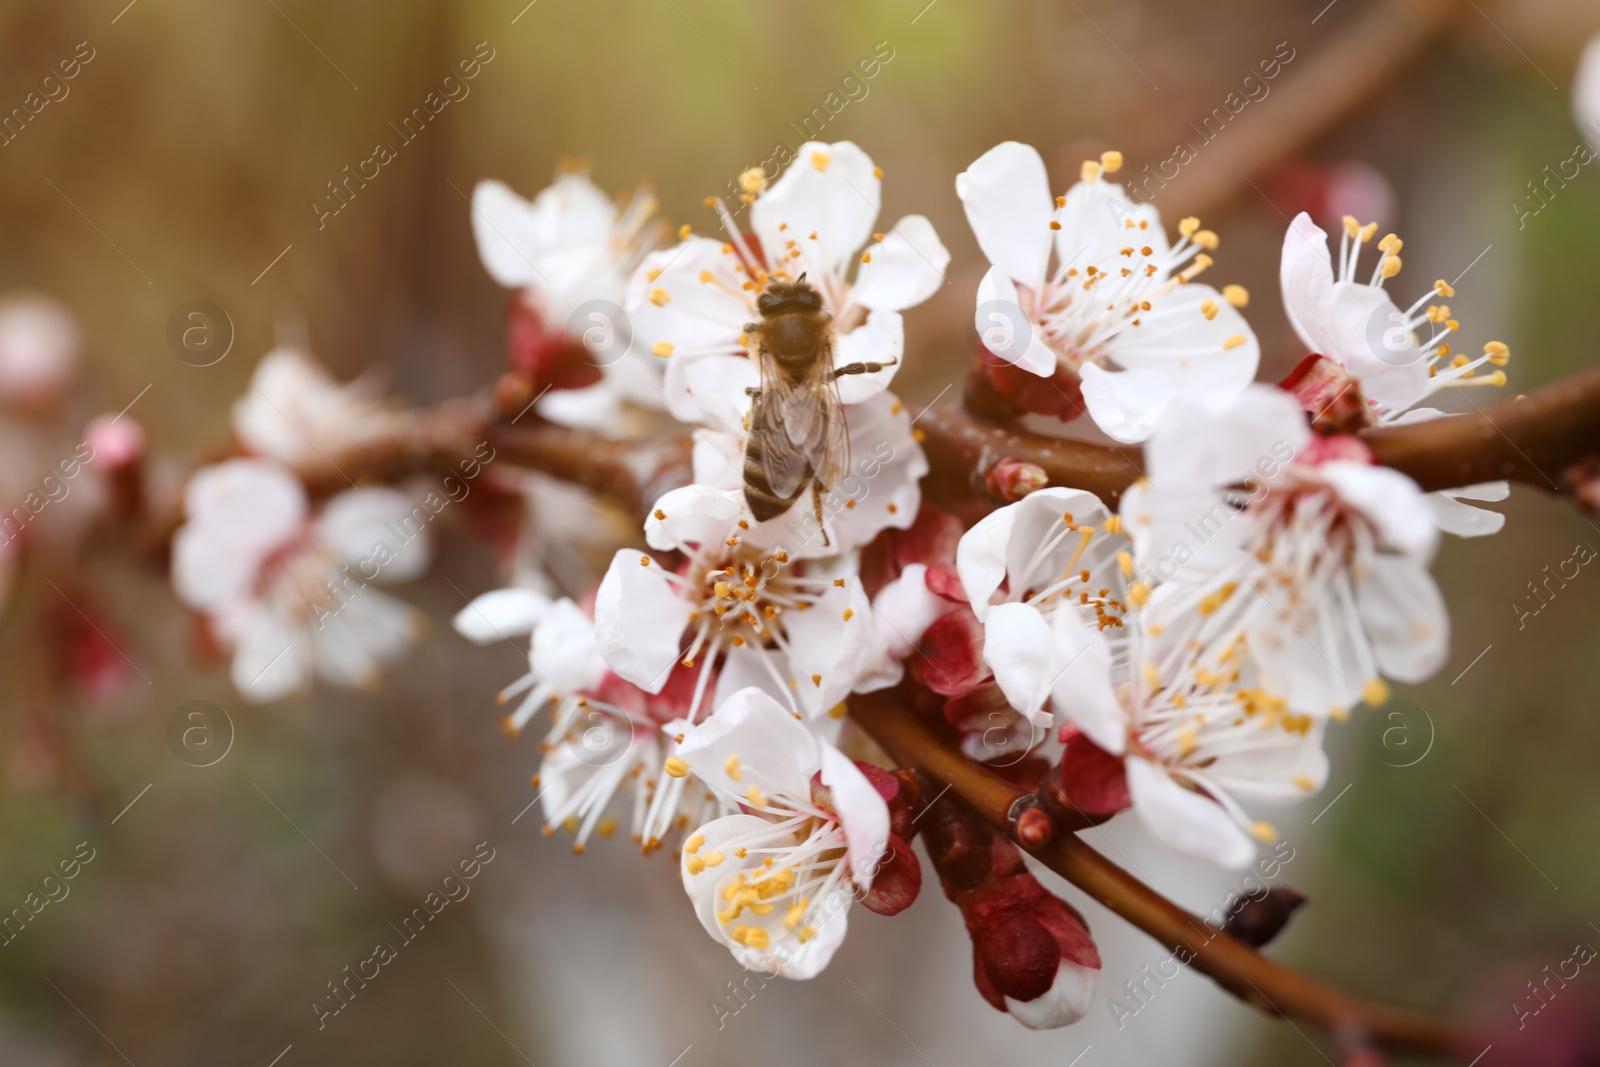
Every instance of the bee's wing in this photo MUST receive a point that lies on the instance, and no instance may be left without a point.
(833, 465)
(793, 422)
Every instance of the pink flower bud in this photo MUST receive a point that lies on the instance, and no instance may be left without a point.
(1012, 479)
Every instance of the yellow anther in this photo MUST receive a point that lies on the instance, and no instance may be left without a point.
(1061, 201)
(1302, 782)
(1498, 353)
(1264, 832)
(659, 297)
(755, 796)
(1369, 231)
(1125, 563)
(1237, 295)
(644, 561)
(1054, 225)
(694, 864)
(1201, 262)
(712, 857)
(1187, 226)
(692, 845)
(1233, 342)
(839, 710)
(1375, 692)
(753, 180)
(820, 159)
(1207, 240)
(731, 767)
(805, 933)
(652, 274)
(795, 915)
(1208, 308)
(662, 349)
(1444, 288)
(877, 172)
(849, 613)
(866, 257)
(1113, 525)
(1391, 266)
(1391, 244)
(1089, 171)
(1111, 162)
(816, 680)
(676, 767)
(1138, 594)
(1152, 677)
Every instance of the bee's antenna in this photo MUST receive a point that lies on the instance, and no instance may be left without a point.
(800, 279)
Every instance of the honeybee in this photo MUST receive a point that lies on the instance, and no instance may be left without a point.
(797, 438)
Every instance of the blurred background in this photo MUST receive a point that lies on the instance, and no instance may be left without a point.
(1449, 861)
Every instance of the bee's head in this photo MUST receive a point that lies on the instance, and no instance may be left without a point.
(797, 295)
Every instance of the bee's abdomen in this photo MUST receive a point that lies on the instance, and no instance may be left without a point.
(764, 503)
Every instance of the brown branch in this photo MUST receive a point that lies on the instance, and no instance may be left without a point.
(632, 473)
(1236, 967)
(1532, 439)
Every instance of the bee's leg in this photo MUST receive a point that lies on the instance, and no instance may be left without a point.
(862, 368)
(752, 390)
(816, 507)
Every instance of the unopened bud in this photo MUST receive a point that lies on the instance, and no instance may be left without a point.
(1012, 479)
(1031, 824)
(1257, 921)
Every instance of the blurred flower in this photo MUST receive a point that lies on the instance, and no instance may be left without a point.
(775, 882)
(285, 587)
(1120, 295)
(295, 412)
(569, 253)
(1318, 566)
(39, 347)
(692, 302)
(1586, 93)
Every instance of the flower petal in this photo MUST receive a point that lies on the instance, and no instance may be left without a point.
(1405, 618)
(1390, 500)
(862, 813)
(775, 752)
(826, 202)
(906, 268)
(381, 528)
(881, 339)
(639, 620)
(1126, 404)
(1305, 275)
(693, 515)
(1020, 648)
(1006, 195)
(1006, 330)
(1082, 690)
(501, 614)
(1186, 820)
(1464, 520)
